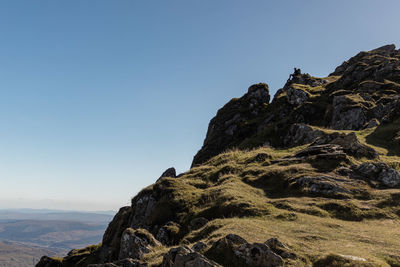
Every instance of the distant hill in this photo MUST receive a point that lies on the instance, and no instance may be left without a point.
(25, 235)
(17, 255)
(32, 214)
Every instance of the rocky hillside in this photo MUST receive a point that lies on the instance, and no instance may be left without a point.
(308, 179)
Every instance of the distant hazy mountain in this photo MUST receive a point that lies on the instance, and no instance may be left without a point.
(33, 214)
(13, 254)
(27, 234)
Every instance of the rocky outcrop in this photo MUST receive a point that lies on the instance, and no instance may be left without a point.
(301, 134)
(168, 234)
(389, 177)
(143, 206)
(340, 121)
(136, 243)
(376, 64)
(322, 185)
(361, 93)
(346, 118)
(233, 250)
(303, 78)
(170, 172)
(230, 124)
(279, 248)
(296, 97)
(186, 257)
(121, 263)
(349, 143)
(322, 151)
(112, 237)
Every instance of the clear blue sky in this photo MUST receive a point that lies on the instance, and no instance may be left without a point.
(98, 98)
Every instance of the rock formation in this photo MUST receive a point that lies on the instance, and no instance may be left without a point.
(310, 178)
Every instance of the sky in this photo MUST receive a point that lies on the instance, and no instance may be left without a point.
(98, 98)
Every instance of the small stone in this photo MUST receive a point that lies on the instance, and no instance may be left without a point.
(353, 258)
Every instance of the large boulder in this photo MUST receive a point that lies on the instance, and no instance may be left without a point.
(232, 250)
(347, 115)
(349, 143)
(389, 177)
(296, 96)
(143, 206)
(280, 248)
(321, 185)
(322, 151)
(112, 237)
(379, 171)
(301, 134)
(168, 234)
(121, 263)
(258, 255)
(186, 257)
(136, 243)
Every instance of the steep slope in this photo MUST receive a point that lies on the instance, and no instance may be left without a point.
(310, 179)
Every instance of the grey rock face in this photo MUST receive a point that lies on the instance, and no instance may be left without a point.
(258, 255)
(317, 150)
(136, 243)
(143, 206)
(300, 134)
(328, 142)
(323, 185)
(234, 251)
(369, 169)
(186, 257)
(229, 125)
(345, 118)
(170, 172)
(112, 236)
(381, 172)
(389, 177)
(385, 108)
(167, 233)
(259, 92)
(303, 78)
(296, 97)
(121, 263)
(279, 248)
